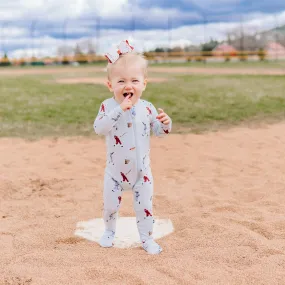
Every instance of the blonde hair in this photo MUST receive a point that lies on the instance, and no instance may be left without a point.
(127, 59)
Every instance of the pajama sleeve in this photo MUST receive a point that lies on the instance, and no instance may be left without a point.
(158, 128)
(106, 120)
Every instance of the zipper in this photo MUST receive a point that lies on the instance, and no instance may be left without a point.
(133, 118)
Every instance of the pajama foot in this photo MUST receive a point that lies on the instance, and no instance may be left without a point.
(151, 247)
(107, 239)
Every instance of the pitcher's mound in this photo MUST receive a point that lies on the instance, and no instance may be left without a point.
(126, 234)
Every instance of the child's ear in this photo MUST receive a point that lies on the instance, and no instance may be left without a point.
(145, 83)
(109, 85)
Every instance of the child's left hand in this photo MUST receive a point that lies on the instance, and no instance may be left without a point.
(163, 117)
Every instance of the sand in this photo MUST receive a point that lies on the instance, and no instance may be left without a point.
(223, 192)
(98, 80)
(183, 70)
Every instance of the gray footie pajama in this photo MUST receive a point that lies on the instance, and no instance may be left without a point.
(128, 163)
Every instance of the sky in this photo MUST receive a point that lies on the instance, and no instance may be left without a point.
(46, 27)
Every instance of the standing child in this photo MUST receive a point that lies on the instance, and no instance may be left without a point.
(126, 120)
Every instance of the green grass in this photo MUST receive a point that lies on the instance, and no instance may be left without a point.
(35, 106)
(62, 66)
(232, 64)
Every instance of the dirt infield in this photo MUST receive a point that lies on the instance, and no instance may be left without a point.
(223, 191)
(213, 71)
(98, 80)
(185, 70)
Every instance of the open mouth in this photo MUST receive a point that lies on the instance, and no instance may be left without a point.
(128, 93)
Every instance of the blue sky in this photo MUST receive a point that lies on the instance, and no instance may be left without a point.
(198, 11)
(60, 23)
(216, 7)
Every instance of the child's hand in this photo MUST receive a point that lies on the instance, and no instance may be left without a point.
(163, 117)
(126, 104)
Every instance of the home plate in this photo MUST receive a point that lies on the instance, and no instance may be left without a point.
(126, 233)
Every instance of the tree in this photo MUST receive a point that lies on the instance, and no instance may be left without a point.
(64, 50)
(91, 48)
(177, 49)
(5, 61)
(79, 56)
(244, 41)
(209, 46)
(77, 50)
(159, 49)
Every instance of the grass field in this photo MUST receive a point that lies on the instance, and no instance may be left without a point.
(219, 64)
(38, 106)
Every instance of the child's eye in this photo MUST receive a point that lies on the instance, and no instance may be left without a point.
(121, 81)
(135, 80)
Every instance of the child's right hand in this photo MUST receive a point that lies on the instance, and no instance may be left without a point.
(126, 104)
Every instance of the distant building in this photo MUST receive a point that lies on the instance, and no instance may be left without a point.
(48, 61)
(274, 49)
(224, 49)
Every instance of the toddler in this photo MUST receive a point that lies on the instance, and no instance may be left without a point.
(126, 121)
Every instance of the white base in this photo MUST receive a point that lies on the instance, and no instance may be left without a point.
(126, 233)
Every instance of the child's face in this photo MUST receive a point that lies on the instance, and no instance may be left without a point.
(127, 80)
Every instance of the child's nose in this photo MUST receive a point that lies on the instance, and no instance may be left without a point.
(128, 85)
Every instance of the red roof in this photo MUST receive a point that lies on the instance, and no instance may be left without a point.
(225, 48)
(273, 46)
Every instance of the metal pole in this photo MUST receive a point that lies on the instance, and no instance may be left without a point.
(32, 37)
(276, 37)
(64, 29)
(133, 24)
(169, 33)
(2, 37)
(241, 34)
(64, 37)
(241, 40)
(97, 34)
(205, 61)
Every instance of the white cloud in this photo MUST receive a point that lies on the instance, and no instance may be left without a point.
(56, 11)
(107, 8)
(261, 22)
(13, 32)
